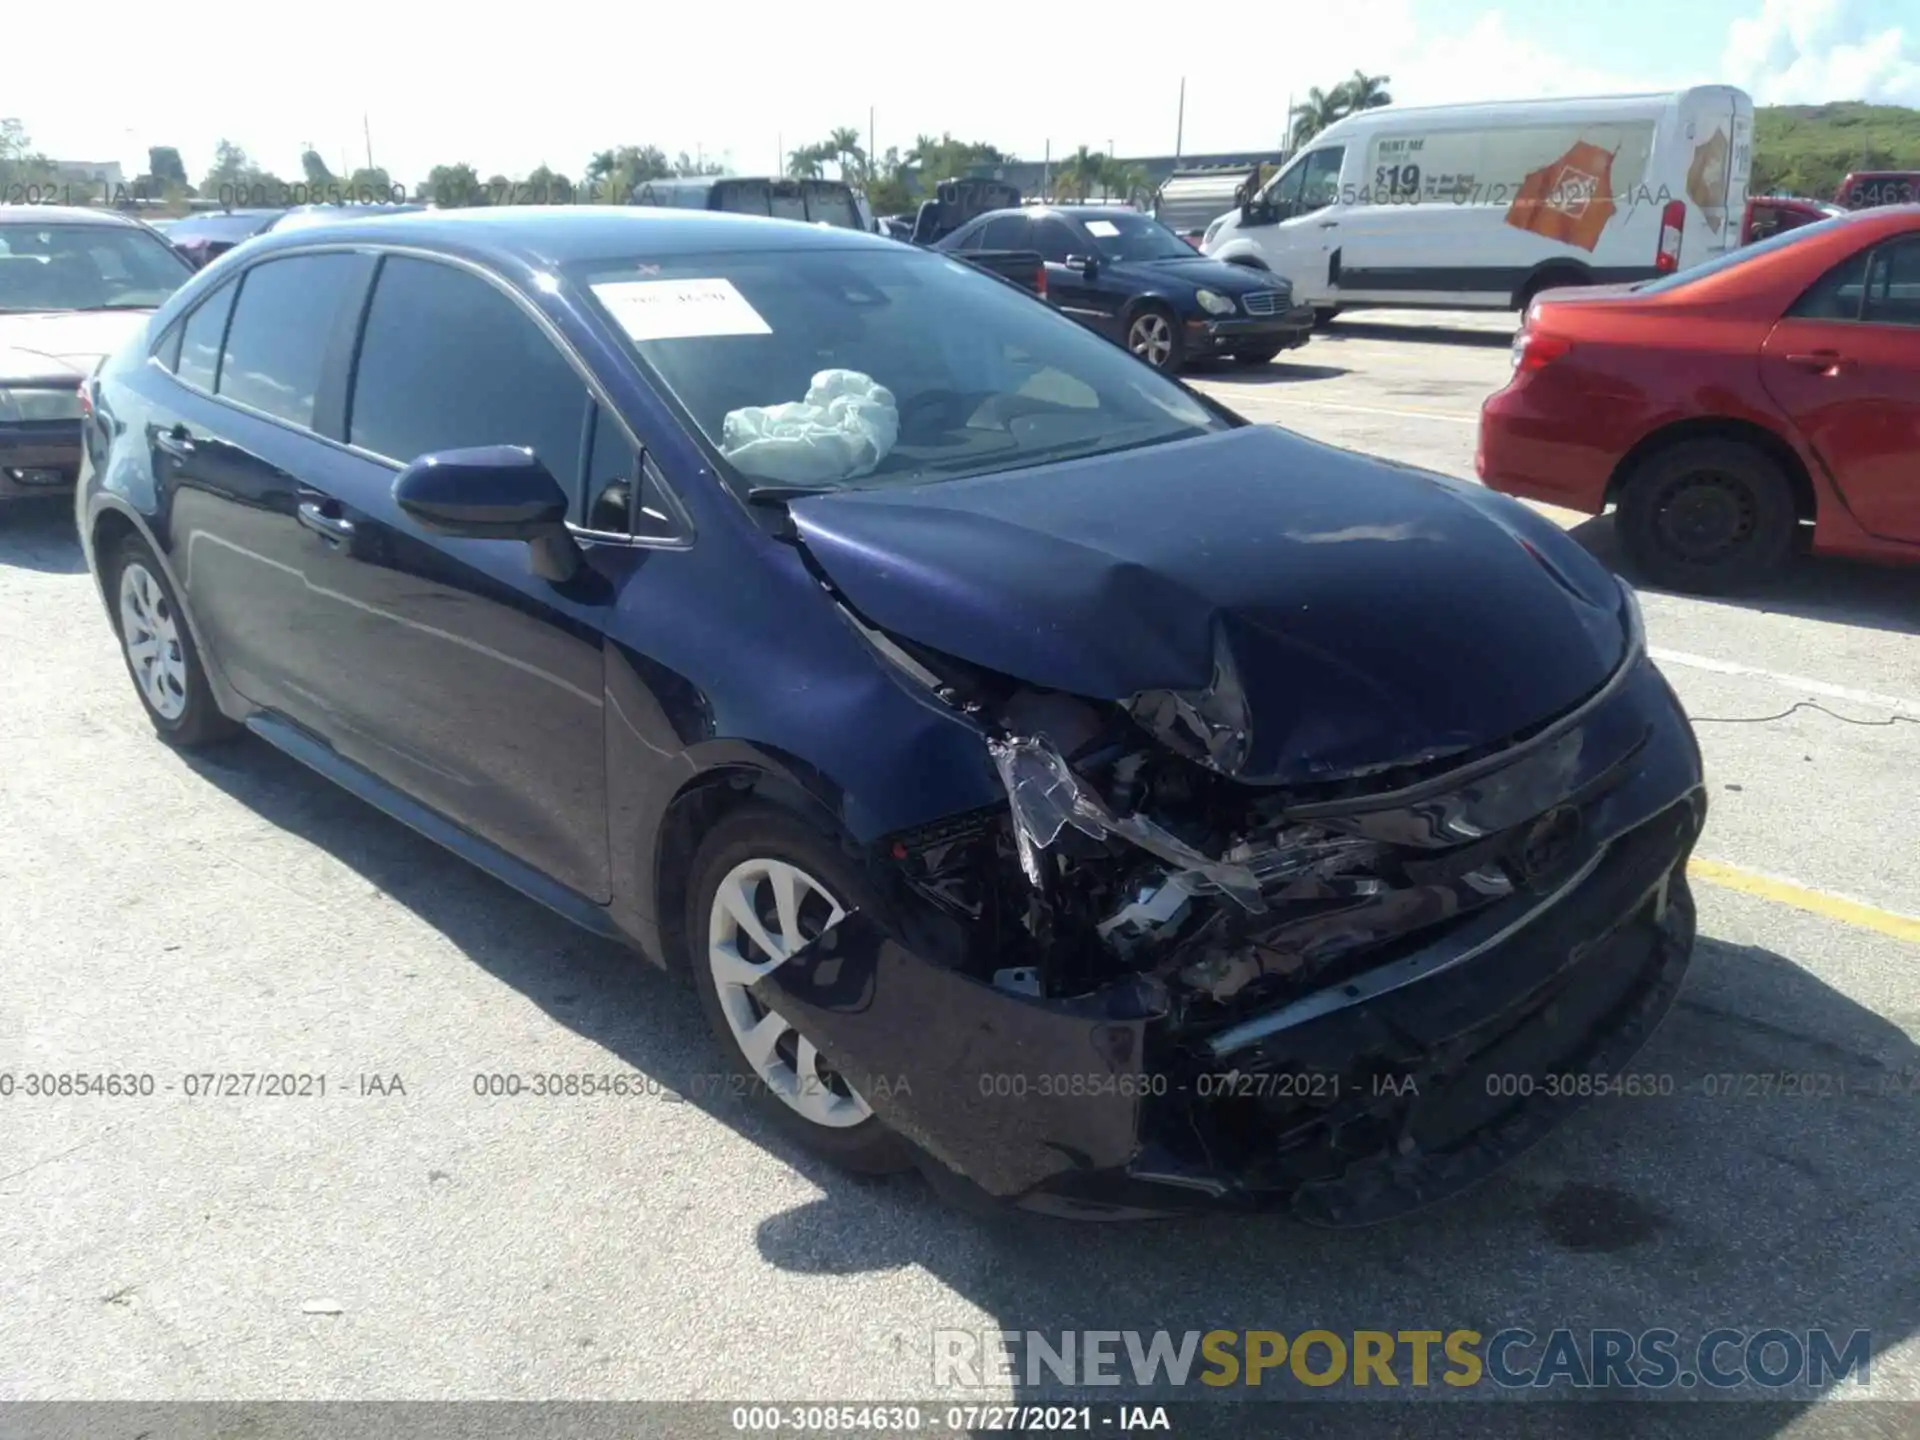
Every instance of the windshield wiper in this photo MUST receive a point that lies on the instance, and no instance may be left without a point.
(780, 494)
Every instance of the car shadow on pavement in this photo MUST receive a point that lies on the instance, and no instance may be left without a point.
(1814, 587)
(37, 534)
(1727, 1196)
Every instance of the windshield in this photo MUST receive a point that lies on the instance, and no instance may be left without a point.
(1127, 235)
(831, 368)
(86, 267)
(1741, 256)
(825, 202)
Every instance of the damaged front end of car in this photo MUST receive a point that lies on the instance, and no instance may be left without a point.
(1148, 983)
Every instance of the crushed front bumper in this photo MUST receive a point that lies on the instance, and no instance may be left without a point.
(1410, 1078)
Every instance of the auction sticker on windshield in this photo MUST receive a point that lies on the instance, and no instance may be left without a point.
(1105, 229)
(680, 309)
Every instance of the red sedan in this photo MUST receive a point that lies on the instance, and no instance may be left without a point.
(1724, 407)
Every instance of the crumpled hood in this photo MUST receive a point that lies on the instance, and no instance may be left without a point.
(48, 344)
(1355, 613)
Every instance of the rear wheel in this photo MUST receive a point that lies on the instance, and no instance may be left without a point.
(765, 884)
(1708, 516)
(158, 648)
(1552, 280)
(1154, 336)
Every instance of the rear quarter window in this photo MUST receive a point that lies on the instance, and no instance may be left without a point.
(282, 330)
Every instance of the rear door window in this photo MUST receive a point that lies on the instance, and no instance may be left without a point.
(447, 362)
(282, 327)
(1004, 232)
(1836, 295)
(1893, 284)
(1054, 239)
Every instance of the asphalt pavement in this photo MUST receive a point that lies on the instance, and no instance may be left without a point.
(403, 1237)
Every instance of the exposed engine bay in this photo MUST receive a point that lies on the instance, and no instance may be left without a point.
(1117, 855)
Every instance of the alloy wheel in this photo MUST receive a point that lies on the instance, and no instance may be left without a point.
(151, 633)
(764, 911)
(1151, 338)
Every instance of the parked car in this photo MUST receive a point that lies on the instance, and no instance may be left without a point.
(1868, 189)
(778, 197)
(207, 236)
(1770, 215)
(203, 236)
(1724, 408)
(1000, 711)
(1130, 278)
(1484, 206)
(74, 284)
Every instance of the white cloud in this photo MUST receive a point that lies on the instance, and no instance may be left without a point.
(1811, 51)
(1486, 62)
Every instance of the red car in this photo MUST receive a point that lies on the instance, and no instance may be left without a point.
(1723, 408)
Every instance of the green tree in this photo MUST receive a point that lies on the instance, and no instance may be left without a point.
(843, 147)
(807, 163)
(887, 189)
(544, 186)
(20, 163)
(685, 164)
(455, 187)
(369, 184)
(315, 169)
(1077, 177)
(1318, 112)
(1362, 91)
(611, 175)
(166, 167)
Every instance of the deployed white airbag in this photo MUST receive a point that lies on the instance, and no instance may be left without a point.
(843, 429)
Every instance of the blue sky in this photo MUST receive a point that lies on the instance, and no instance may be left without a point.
(510, 89)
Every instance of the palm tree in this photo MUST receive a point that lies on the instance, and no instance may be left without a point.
(1130, 183)
(804, 163)
(844, 148)
(1366, 92)
(1077, 176)
(1319, 111)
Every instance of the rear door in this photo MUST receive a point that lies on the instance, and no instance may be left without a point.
(240, 451)
(1844, 363)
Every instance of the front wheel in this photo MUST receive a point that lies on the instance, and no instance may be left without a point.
(1154, 336)
(1709, 516)
(765, 884)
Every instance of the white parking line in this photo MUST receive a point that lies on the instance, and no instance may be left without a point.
(1790, 682)
(1249, 401)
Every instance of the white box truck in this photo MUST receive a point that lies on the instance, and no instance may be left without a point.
(1482, 206)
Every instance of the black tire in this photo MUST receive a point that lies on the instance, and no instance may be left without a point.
(198, 720)
(1322, 318)
(1258, 354)
(1708, 516)
(757, 832)
(1165, 325)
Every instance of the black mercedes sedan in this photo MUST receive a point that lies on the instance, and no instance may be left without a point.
(1044, 777)
(1130, 278)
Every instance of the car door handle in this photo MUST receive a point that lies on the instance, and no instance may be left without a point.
(323, 517)
(1823, 362)
(176, 442)
(1329, 224)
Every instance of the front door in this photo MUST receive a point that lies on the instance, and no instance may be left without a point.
(1302, 243)
(1845, 365)
(449, 668)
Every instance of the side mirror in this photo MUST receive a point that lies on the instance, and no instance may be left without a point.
(1087, 265)
(493, 492)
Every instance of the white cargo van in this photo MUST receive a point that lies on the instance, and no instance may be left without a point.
(1480, 206)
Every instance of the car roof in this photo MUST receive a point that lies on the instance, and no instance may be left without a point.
(544, 235)
(62, 215)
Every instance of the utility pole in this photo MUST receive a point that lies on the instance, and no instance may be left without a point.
(366, 129)
(1046, 174)
(779, 153)
(1286, 137)
(873, 145)
(1180, 124)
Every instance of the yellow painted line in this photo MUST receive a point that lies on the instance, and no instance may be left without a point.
(1815, 902)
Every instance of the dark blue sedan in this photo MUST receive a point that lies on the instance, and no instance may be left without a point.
(1130, 278)
(1044, 776)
